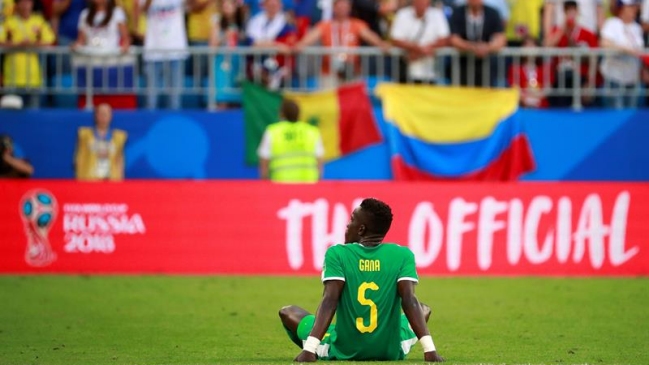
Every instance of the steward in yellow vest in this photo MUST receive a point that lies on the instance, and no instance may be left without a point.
(99, 153)
(291, 151)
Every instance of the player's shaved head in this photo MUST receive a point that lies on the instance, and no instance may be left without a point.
(369, 223)
(378, 216)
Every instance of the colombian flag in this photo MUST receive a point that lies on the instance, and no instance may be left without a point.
(344, 116)
(454, 133)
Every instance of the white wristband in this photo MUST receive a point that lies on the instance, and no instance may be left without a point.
(311, 344)
(427, 343)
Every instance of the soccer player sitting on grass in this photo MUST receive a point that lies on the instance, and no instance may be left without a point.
(367, 283)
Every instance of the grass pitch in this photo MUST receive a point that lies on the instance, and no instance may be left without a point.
(233, 320)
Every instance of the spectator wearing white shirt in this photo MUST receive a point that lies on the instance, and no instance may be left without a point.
(643, 15)
(271, 29)
(419, 29)
(102, 27)
(265, 28)
(591, 15)
(622, 71)
(165, 49)
(103, 34)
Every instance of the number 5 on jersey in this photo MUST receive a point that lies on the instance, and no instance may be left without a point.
(374, 313)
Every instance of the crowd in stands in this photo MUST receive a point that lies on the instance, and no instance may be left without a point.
(478, 28)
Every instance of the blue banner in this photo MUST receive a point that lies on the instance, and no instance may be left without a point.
(568, 146)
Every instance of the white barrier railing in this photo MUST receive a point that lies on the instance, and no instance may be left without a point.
(214, 75)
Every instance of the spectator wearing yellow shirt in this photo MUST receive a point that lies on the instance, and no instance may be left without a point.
(199, 17)
(524, 22)
(22, 31)
(6, 9)
(136, 24)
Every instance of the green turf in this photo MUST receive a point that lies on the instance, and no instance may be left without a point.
(233, 320)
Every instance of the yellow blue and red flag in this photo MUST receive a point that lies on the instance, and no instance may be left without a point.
(454, 133)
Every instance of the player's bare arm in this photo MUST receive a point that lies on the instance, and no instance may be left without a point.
(323, 317)
(412, 310)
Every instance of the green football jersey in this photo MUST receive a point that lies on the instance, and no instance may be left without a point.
(369, 310)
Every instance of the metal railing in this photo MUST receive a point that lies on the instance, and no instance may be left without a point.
(213, 76)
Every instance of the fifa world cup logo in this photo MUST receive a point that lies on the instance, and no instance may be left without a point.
(38, 209)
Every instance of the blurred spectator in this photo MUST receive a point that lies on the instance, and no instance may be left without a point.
(65, 20)
(591, 15)
(477, 31)
(374, 13)
(102, 44)
(502, 6)
(572, 35)
(99, 154)
(345, 32)
(12, 165)
(645, 76)
(6, 10)
(226, 31)
(532, 77)
(102, 27)
(310, 12)
(46, 8)
(254, 7)
(377, 14)
(21, 31)
(266, 27)
(445, 6)
(525, 21)
(622, 71)
(272, 30)
(165, 49)
(644, 16)
(200, 13)
(227, 25)
(615, 5)
(136, 23)
(419, 29)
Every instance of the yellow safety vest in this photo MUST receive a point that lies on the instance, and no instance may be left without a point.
(86, 159)
(293, 152)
